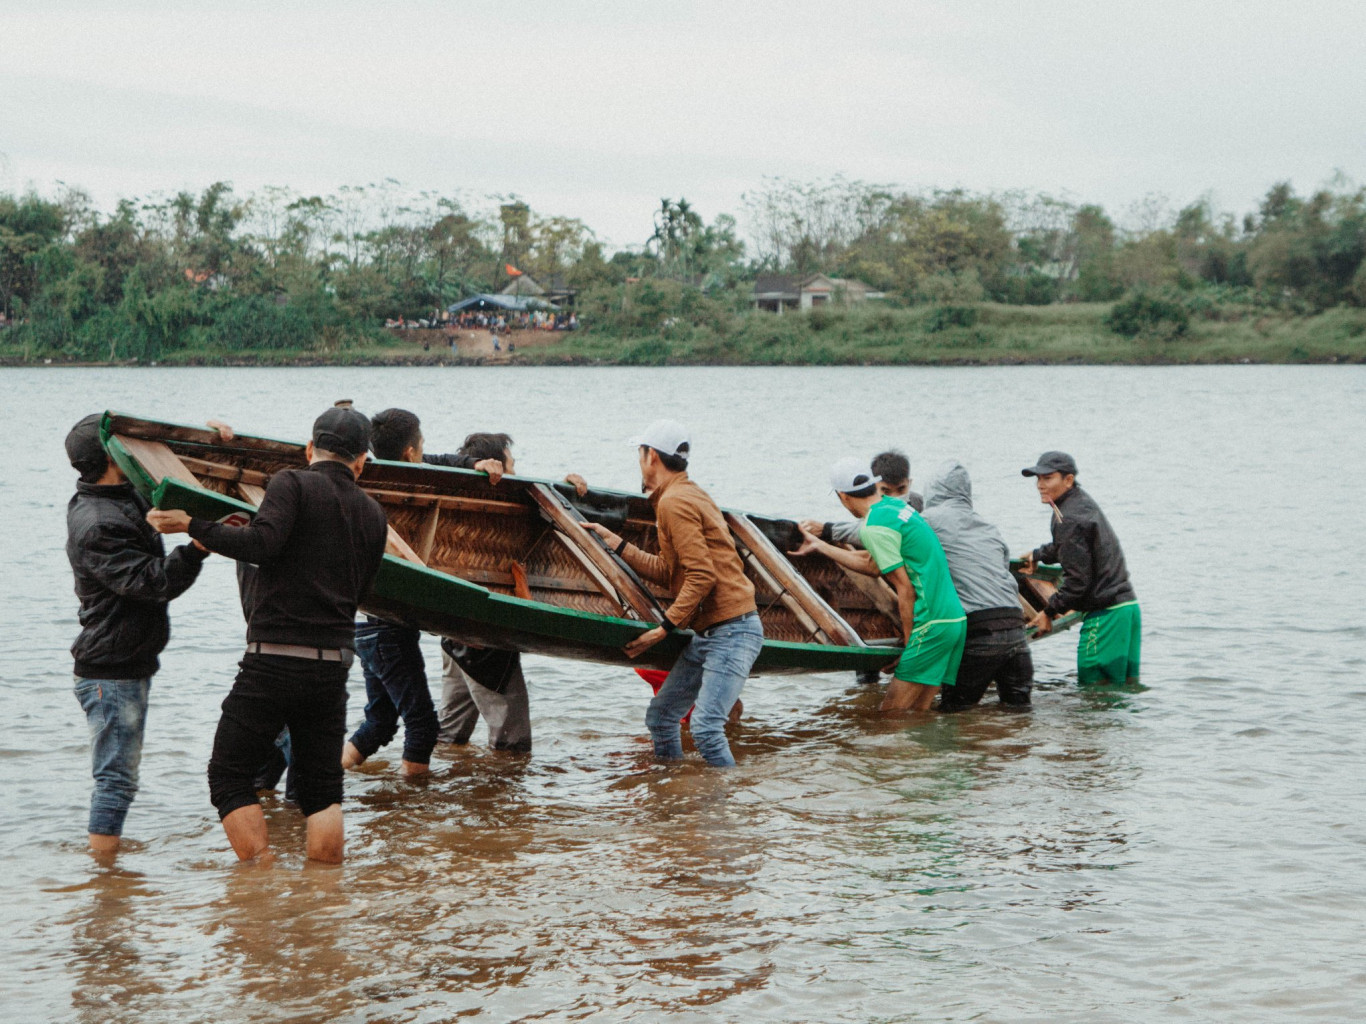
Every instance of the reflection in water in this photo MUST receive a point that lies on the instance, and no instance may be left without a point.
(114, 962)
(282, 944)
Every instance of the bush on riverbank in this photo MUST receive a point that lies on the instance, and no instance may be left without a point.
(1161, 317)
(993, 333)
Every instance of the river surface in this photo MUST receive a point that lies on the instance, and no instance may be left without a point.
(1193, 849)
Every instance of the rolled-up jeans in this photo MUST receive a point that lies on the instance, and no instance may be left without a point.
(708, 677)
(116, 712)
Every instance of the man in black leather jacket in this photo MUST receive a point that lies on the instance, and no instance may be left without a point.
(124, 580)
(1095, 577)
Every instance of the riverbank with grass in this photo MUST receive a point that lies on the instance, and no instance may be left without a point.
(983, 334)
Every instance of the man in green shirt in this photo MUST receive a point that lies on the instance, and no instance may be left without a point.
(901, 547)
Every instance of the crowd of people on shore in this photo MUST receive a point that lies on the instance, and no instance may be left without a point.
(496, 322)
(308, 557)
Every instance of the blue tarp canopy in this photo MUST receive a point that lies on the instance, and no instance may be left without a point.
(515, 303)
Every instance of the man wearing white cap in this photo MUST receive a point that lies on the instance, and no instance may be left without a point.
(697, 560)
(900, 546)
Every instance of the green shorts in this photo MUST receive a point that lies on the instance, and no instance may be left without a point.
(932, 656)
(1109, 646)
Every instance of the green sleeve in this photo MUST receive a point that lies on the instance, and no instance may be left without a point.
(884, 544)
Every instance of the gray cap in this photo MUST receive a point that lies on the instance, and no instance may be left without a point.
(1052, 462)
(342, 431)
(84, 450)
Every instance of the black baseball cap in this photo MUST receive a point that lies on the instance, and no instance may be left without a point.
(342, 431)
(84, 450)
(1052, 462)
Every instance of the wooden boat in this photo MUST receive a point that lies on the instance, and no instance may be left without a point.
(512, 566)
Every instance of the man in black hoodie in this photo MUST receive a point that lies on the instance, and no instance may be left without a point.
(1095, 578)
(124, 580)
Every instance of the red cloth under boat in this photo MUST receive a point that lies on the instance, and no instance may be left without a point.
(655, 677)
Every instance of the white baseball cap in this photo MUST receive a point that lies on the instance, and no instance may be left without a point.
(852, 474)
(667, 436)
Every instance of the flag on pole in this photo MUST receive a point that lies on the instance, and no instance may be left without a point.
(512, 271)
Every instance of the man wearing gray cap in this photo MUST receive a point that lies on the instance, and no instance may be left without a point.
(698, 561)
(1095, 578)
(315, 544)
(124, 580)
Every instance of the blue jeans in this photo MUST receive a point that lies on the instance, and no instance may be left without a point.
(708, 677)
(116, 711)
(395, 687)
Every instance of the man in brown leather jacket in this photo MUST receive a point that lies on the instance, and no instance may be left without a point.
(697, 560)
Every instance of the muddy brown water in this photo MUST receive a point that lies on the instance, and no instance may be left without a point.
(1190, 850)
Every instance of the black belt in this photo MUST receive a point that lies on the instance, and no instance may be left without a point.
(724, 622)
(337, 654)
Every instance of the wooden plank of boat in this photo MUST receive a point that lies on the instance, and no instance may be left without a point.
(604, 585)
(157, 459)
(631, 592)
(877, 590)
(153, 430)
(796, 593)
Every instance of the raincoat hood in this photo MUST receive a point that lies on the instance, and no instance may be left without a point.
(950, 483)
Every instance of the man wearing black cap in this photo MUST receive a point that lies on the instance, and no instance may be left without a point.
(124, 580)
(1095, 578)
(317, 542)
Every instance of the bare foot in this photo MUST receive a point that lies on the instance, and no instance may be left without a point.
(414, 769)
(351, 757)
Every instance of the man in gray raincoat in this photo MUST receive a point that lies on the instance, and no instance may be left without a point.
(979, 562)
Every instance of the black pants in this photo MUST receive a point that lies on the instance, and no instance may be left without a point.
(270, 693)
(1000, 657)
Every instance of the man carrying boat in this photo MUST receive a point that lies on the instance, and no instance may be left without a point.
(475, 681)
(124, 581)
(1095, 577)
(390, 654)
(900, 546)
(395, 673)
(893, 469)
(698, 561)
(487, 682)
(317, 542)
(995, 649)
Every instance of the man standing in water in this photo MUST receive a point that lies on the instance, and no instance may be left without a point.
(901, 547)
(893, 470)
(1095, 578)
(317, 542)
(698, 561)
(996, 649)
(124, 580)
(486, 681)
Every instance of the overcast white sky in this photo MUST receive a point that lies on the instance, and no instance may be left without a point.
(596, 110)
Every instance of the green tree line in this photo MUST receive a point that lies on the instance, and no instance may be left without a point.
(285, 271)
